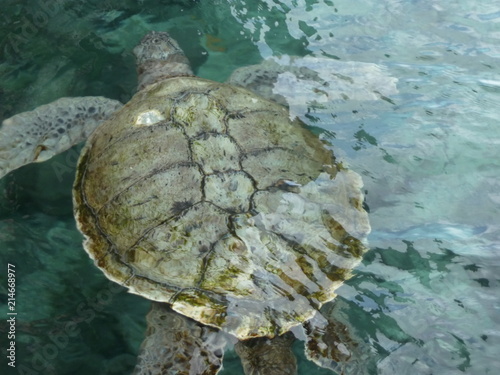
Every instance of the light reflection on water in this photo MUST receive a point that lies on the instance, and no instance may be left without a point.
(426, 297)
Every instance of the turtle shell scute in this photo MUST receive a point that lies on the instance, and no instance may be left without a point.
(208, 197)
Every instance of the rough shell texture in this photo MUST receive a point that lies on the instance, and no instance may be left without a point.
(208, 197)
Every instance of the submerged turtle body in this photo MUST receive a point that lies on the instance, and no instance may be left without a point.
(208, 197)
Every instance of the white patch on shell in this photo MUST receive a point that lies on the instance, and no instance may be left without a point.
(149, 118)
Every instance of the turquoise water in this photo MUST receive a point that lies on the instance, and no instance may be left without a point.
(411, 105)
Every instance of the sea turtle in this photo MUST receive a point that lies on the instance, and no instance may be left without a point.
(208, 200)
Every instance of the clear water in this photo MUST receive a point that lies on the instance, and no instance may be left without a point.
(420, 123)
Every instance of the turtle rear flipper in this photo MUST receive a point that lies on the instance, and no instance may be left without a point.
(263, 356)
(175, 344)
(50, 129)
(332, 342)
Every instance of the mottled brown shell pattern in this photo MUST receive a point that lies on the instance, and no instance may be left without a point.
(210, 198)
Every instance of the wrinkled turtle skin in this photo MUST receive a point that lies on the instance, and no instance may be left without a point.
(208, 197)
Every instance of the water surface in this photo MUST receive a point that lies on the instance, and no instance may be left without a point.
(411, 104)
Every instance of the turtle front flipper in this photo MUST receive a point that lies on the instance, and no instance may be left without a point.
(263, 356)
(175, 344)
(263, 78)
(50, 129)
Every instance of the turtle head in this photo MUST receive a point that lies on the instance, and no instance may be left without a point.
(159, 57)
